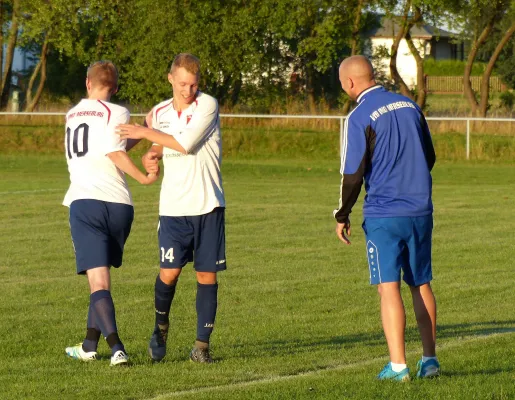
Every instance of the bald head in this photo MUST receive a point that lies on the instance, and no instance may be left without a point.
(356, 75)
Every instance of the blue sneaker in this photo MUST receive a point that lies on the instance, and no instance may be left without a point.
(388, 374)
(428, 369)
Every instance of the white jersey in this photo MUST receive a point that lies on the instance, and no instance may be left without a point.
(192, 183)
(89, 137)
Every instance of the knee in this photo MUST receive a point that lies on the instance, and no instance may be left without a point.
(206, 278)
(388, 288)
(169, 276)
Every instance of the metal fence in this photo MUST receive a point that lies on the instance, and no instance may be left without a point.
(340, 118)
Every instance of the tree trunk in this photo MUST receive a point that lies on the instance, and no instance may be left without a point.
(467, 86)
(310, 89)
(485, 83)
(421, 80)
(355, 29)
(404, 29)
(9, 56)
(41, 70)
(354, 45)
(1, 38)
(236, 90)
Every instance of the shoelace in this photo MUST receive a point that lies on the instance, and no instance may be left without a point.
(203, 355)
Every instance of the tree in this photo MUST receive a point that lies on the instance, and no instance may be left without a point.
(316, 33)
(71, 28)
(484, 17)
(355, 43)
(11, 11)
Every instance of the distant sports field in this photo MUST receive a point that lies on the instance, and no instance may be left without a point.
(297, 318)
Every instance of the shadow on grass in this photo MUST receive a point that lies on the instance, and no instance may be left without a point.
(444, 332)
(271, 348)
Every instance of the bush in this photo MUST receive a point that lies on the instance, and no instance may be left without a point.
(507, 100)
(451, 67)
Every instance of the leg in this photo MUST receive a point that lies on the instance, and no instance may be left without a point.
(424, 305)
(99, 280)
(207, 294)
(164, 292)
(99, 231)
(418, 277)
(103, 307)
(174, 254)
(166, 283)
(209, 250)
(394, 320)
(207, 303)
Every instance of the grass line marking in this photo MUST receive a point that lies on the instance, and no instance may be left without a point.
(282, 378)
(31, 191)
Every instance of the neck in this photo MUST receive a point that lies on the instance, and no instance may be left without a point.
(103, 95)
(180, 105)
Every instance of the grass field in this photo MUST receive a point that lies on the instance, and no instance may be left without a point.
(297, 318)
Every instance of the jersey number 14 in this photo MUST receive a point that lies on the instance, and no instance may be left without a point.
(72, 142)
(167, 254)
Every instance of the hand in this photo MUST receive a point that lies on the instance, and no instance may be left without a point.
(343, 231)
(151, 178)
(127, 131)
(150, 162)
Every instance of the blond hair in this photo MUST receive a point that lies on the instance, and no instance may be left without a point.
(187, 61)
(103, 74)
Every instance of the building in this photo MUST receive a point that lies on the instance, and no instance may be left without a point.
(430, 42)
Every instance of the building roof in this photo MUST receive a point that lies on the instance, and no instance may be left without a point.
(388, 28)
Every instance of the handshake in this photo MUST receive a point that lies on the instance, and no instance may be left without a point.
(150, 161)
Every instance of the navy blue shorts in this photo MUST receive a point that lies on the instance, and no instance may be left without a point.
(99, 231)
(400, 243)
(198, 238)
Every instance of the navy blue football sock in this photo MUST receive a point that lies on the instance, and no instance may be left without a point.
(103, 307)
(90, 343)
(206, 310)
(163, 301)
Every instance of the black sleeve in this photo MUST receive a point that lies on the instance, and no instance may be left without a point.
(429, 150)
(351, 183)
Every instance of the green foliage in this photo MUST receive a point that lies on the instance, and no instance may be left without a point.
(434, 67)
(506, 64)
(507, 100)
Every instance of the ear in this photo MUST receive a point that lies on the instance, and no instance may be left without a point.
(170, 79)
(88, 84)
(115, 90)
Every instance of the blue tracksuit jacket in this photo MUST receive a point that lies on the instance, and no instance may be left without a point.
(386, 142)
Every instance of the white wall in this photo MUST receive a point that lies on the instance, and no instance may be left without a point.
(406, 64)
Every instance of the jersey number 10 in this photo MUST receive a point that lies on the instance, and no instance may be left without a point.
(81, 130)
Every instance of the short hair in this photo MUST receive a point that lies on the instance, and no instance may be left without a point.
(187, 61)
(103, 74)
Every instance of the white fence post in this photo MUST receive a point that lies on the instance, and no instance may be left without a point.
(468, 139)
(342, 124)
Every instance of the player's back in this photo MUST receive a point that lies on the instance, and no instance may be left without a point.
(398, 180)
(89, 137)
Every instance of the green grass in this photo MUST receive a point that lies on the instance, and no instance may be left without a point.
(297, 318)
(290, 139)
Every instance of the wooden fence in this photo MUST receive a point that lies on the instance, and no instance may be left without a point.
(454, 84)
